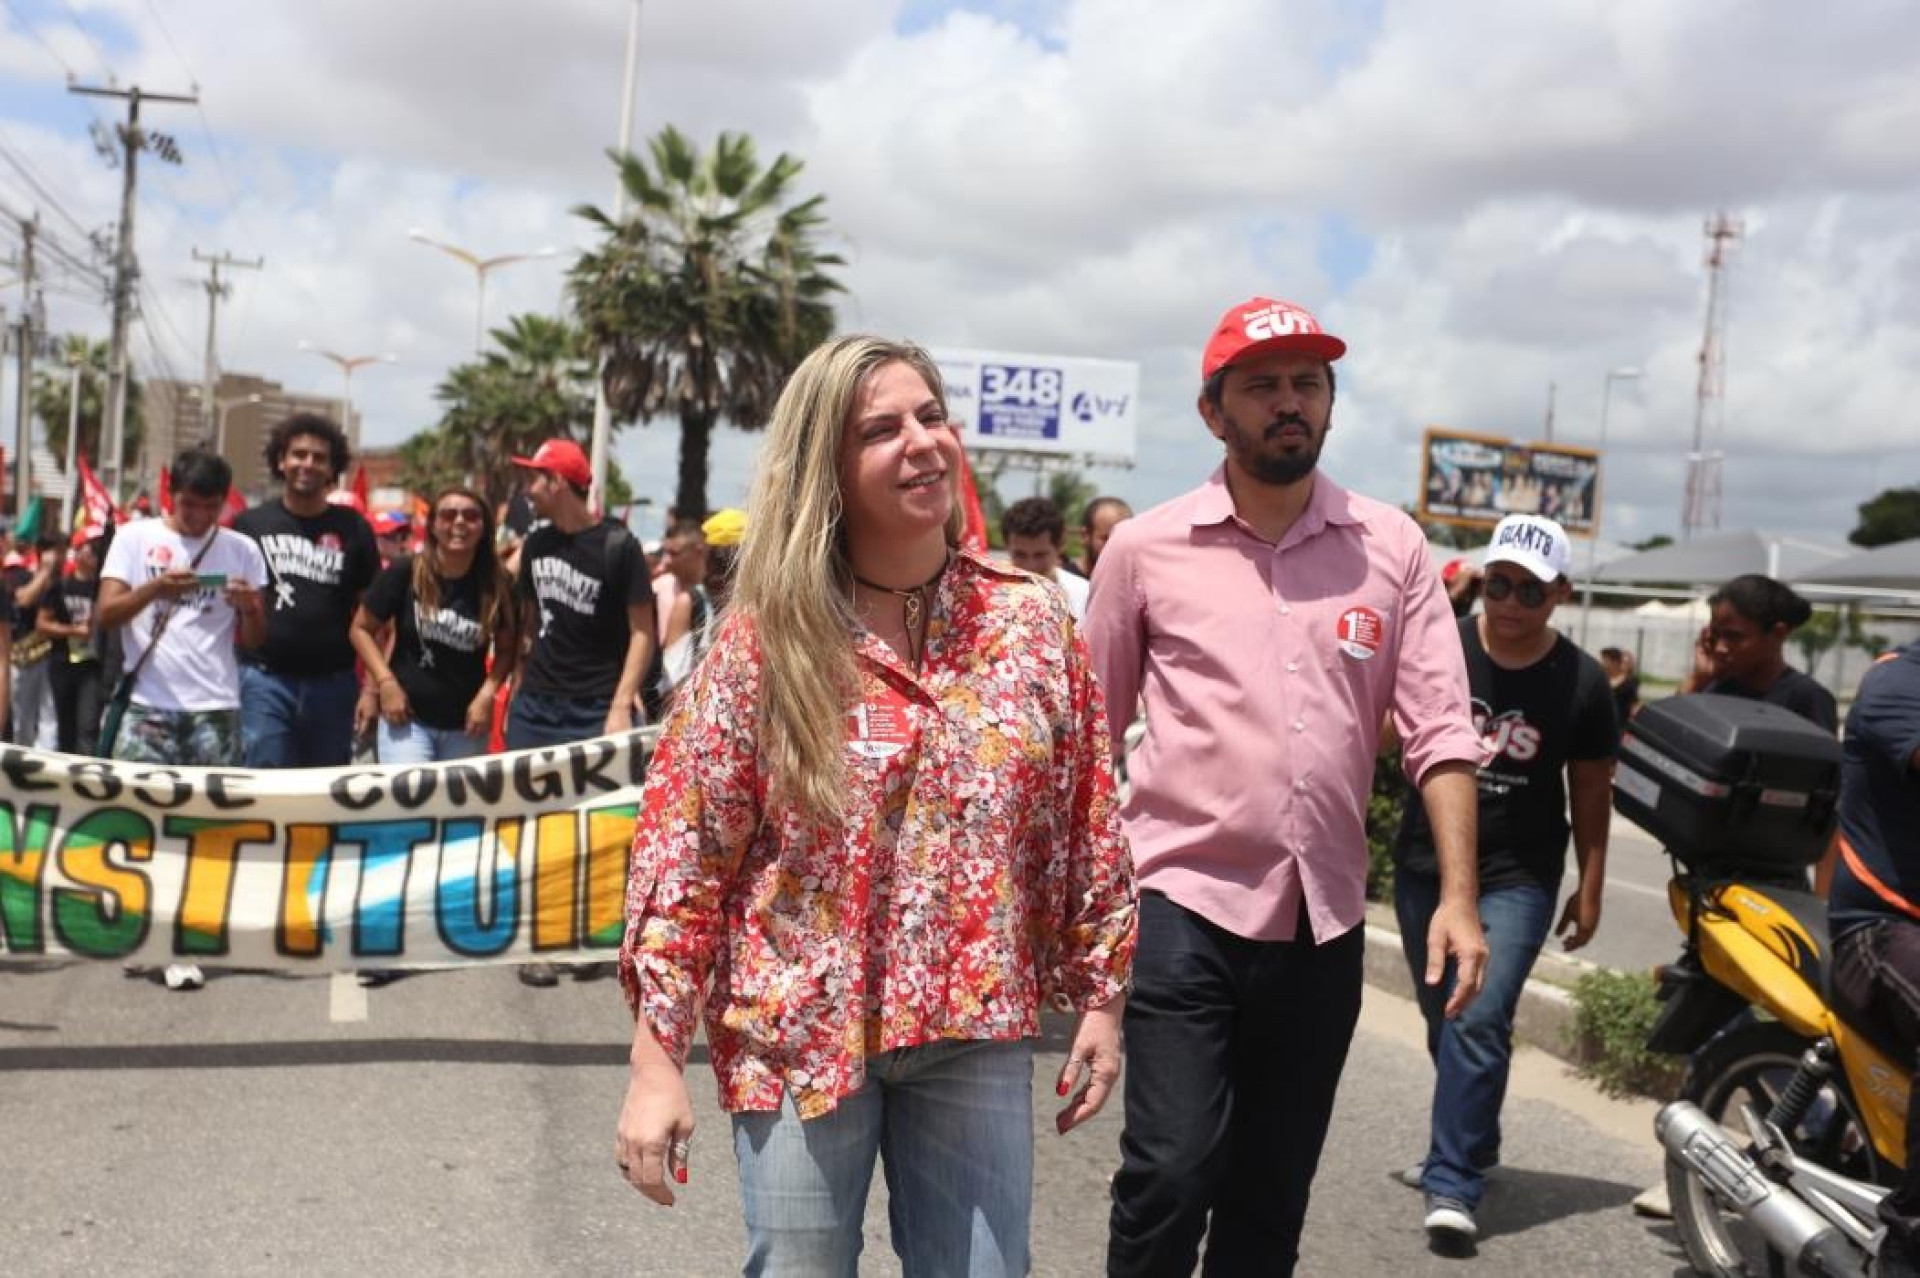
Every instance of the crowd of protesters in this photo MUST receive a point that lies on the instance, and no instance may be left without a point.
(881, 831)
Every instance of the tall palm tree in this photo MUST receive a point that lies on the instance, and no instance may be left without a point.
(704, 298)
(536, 384)
(52, 384)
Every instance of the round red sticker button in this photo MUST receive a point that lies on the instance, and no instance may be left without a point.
(1360, 632)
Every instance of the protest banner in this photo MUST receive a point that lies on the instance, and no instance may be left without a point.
(501, 858)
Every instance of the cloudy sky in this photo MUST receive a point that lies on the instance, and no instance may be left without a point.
(1487, 198)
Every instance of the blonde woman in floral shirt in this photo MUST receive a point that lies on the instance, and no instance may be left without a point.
(878, 835)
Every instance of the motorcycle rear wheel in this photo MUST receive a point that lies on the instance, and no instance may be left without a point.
(1752, 1064)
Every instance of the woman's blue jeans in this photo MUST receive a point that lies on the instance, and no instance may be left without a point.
(1473, 1052)
(952, 1123)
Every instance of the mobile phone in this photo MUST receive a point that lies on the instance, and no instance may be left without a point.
(212, 580)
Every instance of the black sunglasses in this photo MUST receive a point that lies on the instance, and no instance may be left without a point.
(1531, 594)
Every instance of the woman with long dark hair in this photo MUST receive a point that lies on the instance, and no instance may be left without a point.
(436, 635)
(878, 836)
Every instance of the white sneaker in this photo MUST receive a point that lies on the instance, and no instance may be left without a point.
(185, 976)
(1450, 1221)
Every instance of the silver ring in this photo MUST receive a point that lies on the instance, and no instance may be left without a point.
(680, 1150)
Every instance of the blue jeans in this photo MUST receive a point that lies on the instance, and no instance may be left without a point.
(414, 742)
(535, 720)
(1473, 1052)
(296, 721)
(953, 1124)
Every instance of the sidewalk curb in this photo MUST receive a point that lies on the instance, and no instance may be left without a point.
(1545, 1016)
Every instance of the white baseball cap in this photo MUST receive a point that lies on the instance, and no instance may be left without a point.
(1535, 543)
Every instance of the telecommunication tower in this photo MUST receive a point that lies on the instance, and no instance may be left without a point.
(1702, 508)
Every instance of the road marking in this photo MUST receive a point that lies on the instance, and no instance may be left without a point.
(346, 1001)
(1659, 892)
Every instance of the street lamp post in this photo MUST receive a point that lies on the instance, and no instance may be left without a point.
(347, 364)
(1625, 373)
(75, 363)
(481, 267)
(602, 439)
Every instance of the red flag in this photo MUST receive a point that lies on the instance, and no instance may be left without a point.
(360, 502)
(973, 531)
(235, 504)
(166, 491)
(96, 503)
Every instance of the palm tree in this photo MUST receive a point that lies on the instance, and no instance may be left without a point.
(52, 384)
(535, 385)
(704, 298)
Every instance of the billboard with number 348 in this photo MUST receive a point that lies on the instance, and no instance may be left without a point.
(1055, 404)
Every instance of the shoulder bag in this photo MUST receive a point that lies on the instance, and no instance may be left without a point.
(122, 696)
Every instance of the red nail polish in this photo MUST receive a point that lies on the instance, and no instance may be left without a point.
(1063, 1088)
(680, 1175)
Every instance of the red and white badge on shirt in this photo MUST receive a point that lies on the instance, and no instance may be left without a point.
(882, 725)
(1360, 632)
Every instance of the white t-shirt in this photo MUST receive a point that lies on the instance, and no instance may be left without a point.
(1075, 589)
(194, 668)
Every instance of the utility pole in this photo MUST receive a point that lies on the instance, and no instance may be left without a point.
(23, 423)
(125, 271)
(1702, 507)
(216, 289)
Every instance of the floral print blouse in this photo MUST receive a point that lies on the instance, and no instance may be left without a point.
(978, 869)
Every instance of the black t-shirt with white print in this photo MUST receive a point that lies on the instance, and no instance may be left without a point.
(580, 585)
(1533, 722)
(440, 660)
(317, 568)
(72, 604)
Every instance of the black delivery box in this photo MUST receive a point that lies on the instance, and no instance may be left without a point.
(1729, 785)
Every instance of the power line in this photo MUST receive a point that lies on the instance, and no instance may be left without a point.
(98, 52)
(40, 39)
(32, 179)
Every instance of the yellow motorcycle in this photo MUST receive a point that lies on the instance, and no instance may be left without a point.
(1790, 1123)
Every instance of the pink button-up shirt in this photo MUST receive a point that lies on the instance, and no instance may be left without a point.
(1267, 671)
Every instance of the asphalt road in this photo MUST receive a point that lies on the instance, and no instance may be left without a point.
(460, 1123)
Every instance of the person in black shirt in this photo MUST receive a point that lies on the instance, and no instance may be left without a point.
(1546, 717)
(1873, 913)
(1741, 653)
(427, 631)
(1621, 677)
(66, 617)
(587, 603)
(298, 689)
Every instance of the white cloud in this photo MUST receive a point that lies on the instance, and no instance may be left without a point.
(1098, 177)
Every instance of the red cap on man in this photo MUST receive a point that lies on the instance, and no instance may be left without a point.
(562, 457)
(1261, 324)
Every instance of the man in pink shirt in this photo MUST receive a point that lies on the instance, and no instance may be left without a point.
(1271, 621)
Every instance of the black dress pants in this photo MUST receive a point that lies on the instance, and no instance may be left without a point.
(1234, 1050)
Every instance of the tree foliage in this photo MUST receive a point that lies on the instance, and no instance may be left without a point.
(1891, 516)
(704, 297)
(52, 387)
(535, 385)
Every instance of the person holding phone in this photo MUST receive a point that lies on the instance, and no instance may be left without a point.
(179, 633)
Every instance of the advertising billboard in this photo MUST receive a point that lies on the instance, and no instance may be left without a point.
(1478, 480)
(1046, 404)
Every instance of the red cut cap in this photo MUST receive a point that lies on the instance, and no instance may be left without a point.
(1261, 324)
(562, 457)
